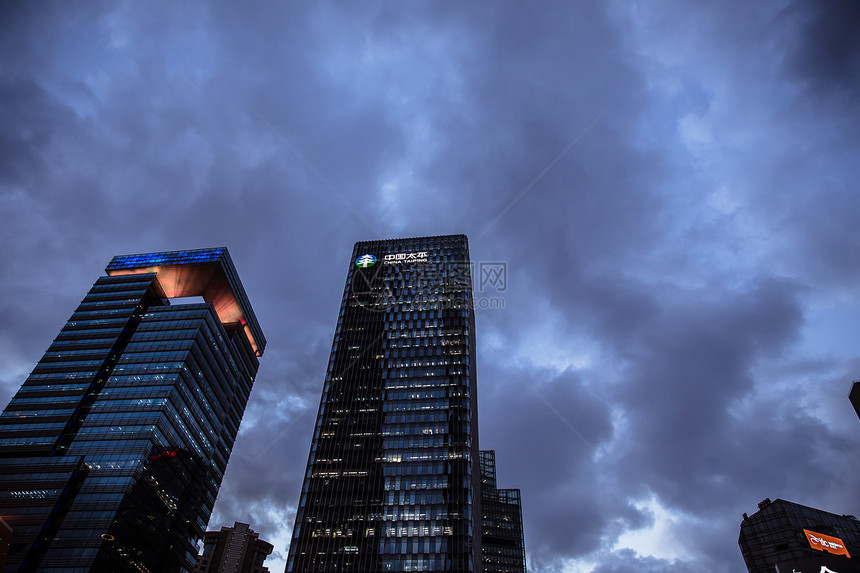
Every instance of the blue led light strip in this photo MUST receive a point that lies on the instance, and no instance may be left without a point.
(170, 258)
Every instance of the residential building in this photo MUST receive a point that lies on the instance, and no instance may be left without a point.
(113, 450)
(788, 537)
(236, 549)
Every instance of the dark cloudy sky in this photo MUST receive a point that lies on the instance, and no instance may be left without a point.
(673, 186)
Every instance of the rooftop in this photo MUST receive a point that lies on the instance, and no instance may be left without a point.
(202, 272)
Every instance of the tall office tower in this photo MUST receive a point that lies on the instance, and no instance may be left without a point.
(502, 539)
(236, 549)
(392, 481)
(113, 450)
(788, 537)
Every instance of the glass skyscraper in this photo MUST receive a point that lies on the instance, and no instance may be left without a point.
(392, 481)
(113, 450)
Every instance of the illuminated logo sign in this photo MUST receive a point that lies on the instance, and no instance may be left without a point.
(826, 543)
(418, 257)
(164, 454)
(365, 261)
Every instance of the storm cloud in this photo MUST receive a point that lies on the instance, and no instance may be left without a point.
(672, 187)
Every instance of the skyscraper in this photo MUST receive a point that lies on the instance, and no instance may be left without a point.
(502, 539)
(788, 537)
(392, 480)
(113, 450)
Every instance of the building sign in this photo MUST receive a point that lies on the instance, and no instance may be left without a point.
(826, 543)
(417, 257)
(365, 261)
(164, 454)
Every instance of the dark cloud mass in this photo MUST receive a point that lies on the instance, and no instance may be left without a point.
(672, 186)
(828, 51)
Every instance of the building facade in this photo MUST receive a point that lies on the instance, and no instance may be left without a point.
(854, 396)
(788, 537)
(113, 450)
(392, 480)
(502, 541)
(236, 549)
